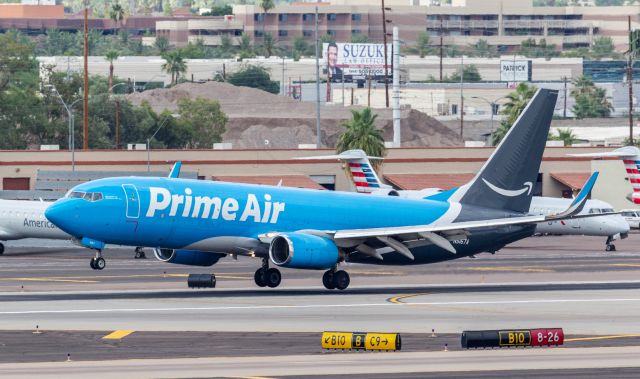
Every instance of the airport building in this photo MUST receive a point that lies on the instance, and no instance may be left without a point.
(406, 168)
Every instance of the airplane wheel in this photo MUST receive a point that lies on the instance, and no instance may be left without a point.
(139, 254)
(273, 277)
(259, 277)
(1, 248)
(100, 263)
(341, 280)
(92, 263)
(327, 280)
(611, 247)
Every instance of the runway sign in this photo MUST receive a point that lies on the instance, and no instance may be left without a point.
(361, 341)
(512, 338)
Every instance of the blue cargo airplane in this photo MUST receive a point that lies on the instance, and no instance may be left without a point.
(196, 223)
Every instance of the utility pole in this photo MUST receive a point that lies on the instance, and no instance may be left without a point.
(384, 39)
(564, 110)
(441, 47)
(461, 96)
(117, 134)
(630, 82)
(369, 90)
(318, 138)
(85, 125)
(395, 51)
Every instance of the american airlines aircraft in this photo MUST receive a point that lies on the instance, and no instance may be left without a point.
(25, 219)
(366, 181)
(196, 223)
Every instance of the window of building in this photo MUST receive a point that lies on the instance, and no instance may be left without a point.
(355, 31)
(307, 33)
(356, 17)
(259, 17)
(283, 17)
(283, 33)
(332, 33)
(257, 33)
(308, 17)
(332, 17)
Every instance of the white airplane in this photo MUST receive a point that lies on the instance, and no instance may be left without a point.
(25, 219)
(365, 180)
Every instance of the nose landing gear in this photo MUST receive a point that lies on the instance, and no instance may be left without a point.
(610, 246)
(267, 277)
(97, 262)
(139, 253)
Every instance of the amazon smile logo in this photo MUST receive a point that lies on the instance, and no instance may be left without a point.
(528, 186)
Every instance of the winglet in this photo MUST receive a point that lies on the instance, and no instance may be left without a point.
(175, 171)
(580, 200)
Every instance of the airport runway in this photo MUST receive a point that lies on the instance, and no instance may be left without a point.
(567, 282)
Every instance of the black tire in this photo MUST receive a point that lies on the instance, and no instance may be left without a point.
(259, 277)
(341, 280)
(100, 263)
(613, 247)
(273, 277)
(610, 248)
(327, 280)
(1, 248)
(92, 263)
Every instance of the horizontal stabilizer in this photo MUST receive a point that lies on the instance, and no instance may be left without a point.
(578, 203)
(175, 171)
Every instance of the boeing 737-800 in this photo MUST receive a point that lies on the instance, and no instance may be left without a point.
(365, 180)
(196, 222)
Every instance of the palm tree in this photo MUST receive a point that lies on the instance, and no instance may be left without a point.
(517, 101)
(174, 65)
(269, 45)
(266, 6)
(116, 13)
(111, 56)
(483, 49)
(162, 44)
(361, 133)
(567, 136)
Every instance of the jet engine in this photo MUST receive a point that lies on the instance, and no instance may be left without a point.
(187, 257)
(302, 250)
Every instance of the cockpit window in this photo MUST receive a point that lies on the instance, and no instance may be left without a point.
(96, 196)
(595, 210)
(608, 210)
(76, 195)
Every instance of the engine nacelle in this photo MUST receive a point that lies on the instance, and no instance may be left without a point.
(301, 250)
(187, 257)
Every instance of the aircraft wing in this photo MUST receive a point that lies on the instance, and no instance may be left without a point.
(571, 212)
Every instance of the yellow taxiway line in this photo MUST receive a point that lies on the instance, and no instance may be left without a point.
(117, 335)
(398, 299)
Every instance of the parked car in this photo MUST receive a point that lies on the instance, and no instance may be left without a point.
(632, 216)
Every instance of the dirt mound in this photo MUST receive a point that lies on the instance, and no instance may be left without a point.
(256, 116)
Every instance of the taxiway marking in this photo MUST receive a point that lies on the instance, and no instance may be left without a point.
(319, 306)
(602, 337)
(398, 299)
(117, 335)
(51, 280)
(509, 269)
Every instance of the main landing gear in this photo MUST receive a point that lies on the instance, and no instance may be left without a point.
(97, 262)
(139, 253)
(267, 277)
(610, 246)
(333, 279)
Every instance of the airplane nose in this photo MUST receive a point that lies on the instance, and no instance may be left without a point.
(60, 214)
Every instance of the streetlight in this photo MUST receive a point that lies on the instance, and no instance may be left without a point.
(153, 135)
(492, 104)
(71, 118)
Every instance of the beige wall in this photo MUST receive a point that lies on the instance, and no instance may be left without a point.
(210, 163)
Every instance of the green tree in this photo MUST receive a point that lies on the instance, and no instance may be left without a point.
(469, 74)
(162, 44)
(422, 46)
(602, 47)
(174, 65)
(359, 38)
(116, 13)
(532, 49)
(591, 101)
(566, 135)
(219, 10)
(608, 3)
(361, 133)
(266, 6)
(268, 45)
(195, 50)
(206, 120)
(517, 101)
(245, 45)
(111, 56)
(254, 76)
(482, 49)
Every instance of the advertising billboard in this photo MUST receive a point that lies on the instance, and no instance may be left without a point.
(515, 70)
(355, 59)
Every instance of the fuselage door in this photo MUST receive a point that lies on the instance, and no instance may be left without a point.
(133, 200)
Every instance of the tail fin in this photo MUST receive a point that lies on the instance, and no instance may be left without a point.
(363, 175)
(506, 180)
(630, 156)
